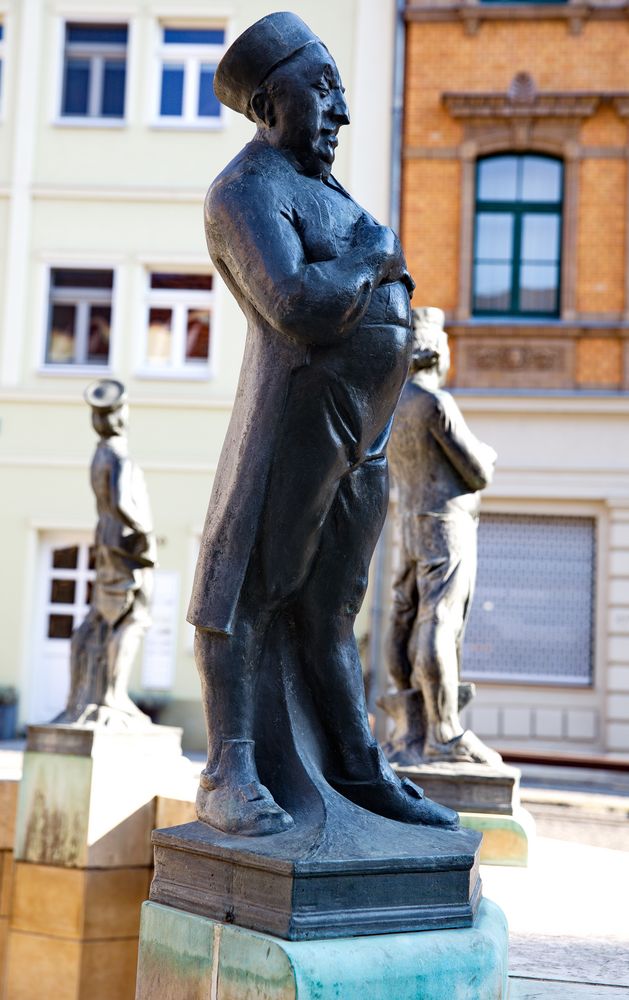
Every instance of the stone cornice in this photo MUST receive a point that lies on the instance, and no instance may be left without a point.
(546, 105)
(523, 100)
(471, 13)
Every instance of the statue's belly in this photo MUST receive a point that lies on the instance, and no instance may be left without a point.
(373, 361)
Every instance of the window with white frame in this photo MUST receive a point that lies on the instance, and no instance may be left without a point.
(94, 70)
(188, 58)
(1, 61)
(178, 337)
(70, 571)
(79, 316)
(532, 620)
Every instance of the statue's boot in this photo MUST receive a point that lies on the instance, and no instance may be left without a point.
(397, 799)
(232, 798)
(466, 748)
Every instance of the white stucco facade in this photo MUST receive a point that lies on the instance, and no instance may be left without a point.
(124, 196)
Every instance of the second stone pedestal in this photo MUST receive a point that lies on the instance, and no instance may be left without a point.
(487, 799)
(83, 858)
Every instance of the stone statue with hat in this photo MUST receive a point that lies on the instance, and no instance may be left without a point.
(439, 468)
(104, 646)
(300, 492)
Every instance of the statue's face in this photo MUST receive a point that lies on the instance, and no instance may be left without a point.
(111, 423)
(443, 365)
(307, 109)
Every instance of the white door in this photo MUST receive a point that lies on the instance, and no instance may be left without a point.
(65, 573)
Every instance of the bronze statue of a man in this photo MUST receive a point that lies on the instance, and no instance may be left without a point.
(439, 468)
(104, 646)
(301, 488)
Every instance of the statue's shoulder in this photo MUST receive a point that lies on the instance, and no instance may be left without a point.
(256, 172)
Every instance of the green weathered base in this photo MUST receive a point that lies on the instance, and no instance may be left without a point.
(506, 839)
(184, 957)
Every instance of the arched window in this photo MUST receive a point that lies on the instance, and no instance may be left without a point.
(517, 238)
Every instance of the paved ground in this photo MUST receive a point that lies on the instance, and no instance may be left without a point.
(568, 912)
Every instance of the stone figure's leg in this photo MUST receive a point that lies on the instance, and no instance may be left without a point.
(472, 560)
(325, 609)
(124, 641)
(445, 581)
(441, 581)
(231, 796)
(79, 695)
(403, 614)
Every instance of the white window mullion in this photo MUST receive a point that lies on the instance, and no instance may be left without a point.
(96, 87)
(177, 358)
(81, 332)
(191, 89)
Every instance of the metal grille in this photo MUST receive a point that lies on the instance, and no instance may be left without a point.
(532, 616)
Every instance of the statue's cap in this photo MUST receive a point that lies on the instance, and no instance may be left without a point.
(105, 394)
(259, 50)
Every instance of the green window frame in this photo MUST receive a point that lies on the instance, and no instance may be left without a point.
(517, 235)
(521, 2)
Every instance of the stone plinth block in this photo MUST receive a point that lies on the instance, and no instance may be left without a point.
(8, 808)
(47, 967)
(6, 882)
(79, 903)
(73, 932)
(506, 839)
(467, 787)
(349, 882)
(185, 957)
(87, 795)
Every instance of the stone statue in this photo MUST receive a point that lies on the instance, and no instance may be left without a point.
(301, 488)
(439, 469)
(104, 646)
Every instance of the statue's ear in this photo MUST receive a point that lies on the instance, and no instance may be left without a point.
(262, 107)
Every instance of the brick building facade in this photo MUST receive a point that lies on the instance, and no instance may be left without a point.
(514, 218)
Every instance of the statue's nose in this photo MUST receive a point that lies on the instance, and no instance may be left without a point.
(340, 109)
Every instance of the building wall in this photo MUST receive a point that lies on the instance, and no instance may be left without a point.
(549, 394)
(129, 197)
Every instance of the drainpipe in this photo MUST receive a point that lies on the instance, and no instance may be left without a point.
(377, 666)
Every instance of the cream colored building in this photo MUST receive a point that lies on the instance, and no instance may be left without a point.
(109, 138)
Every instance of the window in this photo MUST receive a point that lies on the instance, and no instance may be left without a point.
(94, 70)
(69, 589)
(187, 61)
(178, 323)
(517, 237)
(532, 617)
(1, 61)
(79, 323)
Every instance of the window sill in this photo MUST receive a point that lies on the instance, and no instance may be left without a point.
(76, 371)
(537, 323)
(163, 124)
(87, 122)
(175, 375)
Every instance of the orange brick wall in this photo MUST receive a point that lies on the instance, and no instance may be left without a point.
(442, 57)
(601, 236)
(599, 362)
(430, 230)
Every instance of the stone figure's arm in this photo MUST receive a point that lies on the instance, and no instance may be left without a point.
(252, 235)
(472, 459)
(134, 514)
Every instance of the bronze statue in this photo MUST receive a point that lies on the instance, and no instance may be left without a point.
(301, 488)
(104, 646)
(439, 469)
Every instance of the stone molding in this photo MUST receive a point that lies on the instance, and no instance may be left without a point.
(471, 13)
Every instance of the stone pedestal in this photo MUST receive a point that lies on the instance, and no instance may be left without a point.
(9, 784)
(375, 876)
(184, 956)
(487, 799)
(83, 859)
